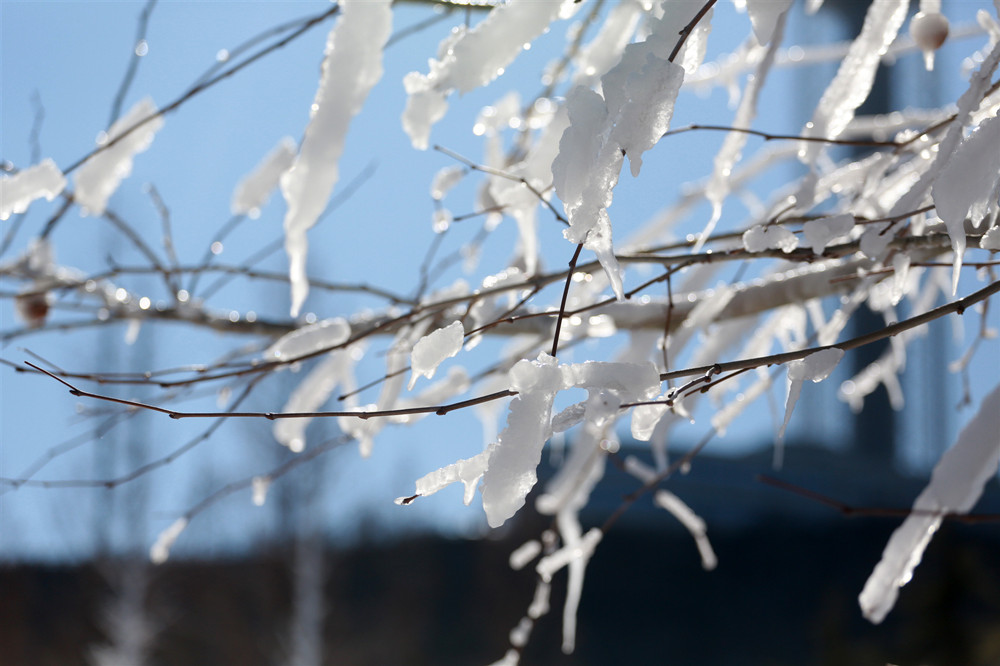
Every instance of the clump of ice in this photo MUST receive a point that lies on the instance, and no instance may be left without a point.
(18, 191)
(956, 485)
(875, 240)
(513, 460)
(991, 239)
(820, 233)
(432, 349)
(468, 59)
(99, 177)
(759, 238)
(256, 188)
(309, 339)
(631, 116)
(468, 471)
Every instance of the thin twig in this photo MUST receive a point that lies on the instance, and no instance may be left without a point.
(133, 64)
(205, 85)
(565, 295)
(850, 511)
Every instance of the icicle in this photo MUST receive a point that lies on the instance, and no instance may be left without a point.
(814, 368)
(956, 485)
(101, 175)
(256, 187)
(18, 191)
(351, 68)
(764, 17)
(966, 184)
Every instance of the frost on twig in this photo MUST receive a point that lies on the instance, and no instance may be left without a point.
(351, 68)
(955, 487)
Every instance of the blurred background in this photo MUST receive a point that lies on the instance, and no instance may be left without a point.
(329, 569)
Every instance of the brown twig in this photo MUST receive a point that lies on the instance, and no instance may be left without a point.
(565, 295)
(853, 511)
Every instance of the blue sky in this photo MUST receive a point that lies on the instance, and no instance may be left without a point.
(72, 55)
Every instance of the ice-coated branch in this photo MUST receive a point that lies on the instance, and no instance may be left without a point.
(958, 306)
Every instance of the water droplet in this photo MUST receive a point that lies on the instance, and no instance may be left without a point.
(222, 55)
(142, 48)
